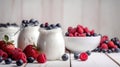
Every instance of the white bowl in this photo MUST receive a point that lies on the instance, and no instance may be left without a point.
(79, 44)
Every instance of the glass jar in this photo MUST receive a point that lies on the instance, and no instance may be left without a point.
(52, 43)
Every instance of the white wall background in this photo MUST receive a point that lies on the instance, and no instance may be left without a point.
(101, 15)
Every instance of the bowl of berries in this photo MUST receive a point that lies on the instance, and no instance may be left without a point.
(80, 39)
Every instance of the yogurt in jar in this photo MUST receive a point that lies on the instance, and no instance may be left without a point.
(9, 29)
(29, 34)
(52, 43)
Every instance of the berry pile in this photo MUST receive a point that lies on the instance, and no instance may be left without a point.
(108, 45)
(9, 52)
(80, 31)
(8, 25)
(31, 22)
(83, 56)
(50, 26)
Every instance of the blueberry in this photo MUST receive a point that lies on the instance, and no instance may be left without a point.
(36, 23)
(48, 28)
(8, 24)
(113, 49)
(88, 52)
(65, 57)
(52, 25)
(8, 61)
(104, 50)
(95, 34)
(31, 20)
(76, 55)
(1, 59)
(58, 25)
(42, 25)
(117, 43)
(116, 39)
(19, 62)
(46, 24)
(106, 41)
(109, 51)
(117, 50)
(3, 25)
(88, 34)
(66, 34)
(113, 39)
(14, 24)
(30, 59)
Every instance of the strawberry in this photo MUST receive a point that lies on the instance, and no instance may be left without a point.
(41, 58)
(19, 55)
(3, 54)
(83, 56)
(104, 46)
(31, 51)
(111, 44)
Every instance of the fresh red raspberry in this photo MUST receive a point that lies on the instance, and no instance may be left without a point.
(80, 26)
(111, 44)
(80, 30)
(19, 55)
(2, 44)
(3, 54)
(70, 35)
(41, 58)
(31, 51)
(104, 38)
(86, 30)
(92, 32)
(104, 46)
(82, 35)
(83, 56)
(76, 34)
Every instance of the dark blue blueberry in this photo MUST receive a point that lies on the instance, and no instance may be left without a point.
(66, 34)
(42, 25)
(95, 34)
(36, 23)
(116, 38)
(117, 43)
(113, 49)
(65, 57)
(1, 59)
(88, 52)
(52, 25)
(19, 62)
(109, 51)
(113, 39)
(14, 24)
(76, 55)
(30, 59)
(104, 50)
(8, 61)
(31, 20)
(88, 34)
(46, 24)
(117, 50)
(48, 28)
(58, 25)
(3, 25)
(8, 24)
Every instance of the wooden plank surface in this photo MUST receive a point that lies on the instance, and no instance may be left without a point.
(94, 60)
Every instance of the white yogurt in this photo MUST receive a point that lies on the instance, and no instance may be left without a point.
(10, 31)
(52, 43)
(29, 35)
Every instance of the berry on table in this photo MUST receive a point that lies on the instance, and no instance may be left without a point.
(65, 57)
(19, 62)
(83, 56)
(30, 59)
(1, 59)
(8, 61)
(88, 52)
(76, 55)
(41, 58)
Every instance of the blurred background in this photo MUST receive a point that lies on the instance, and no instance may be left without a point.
(101, 15)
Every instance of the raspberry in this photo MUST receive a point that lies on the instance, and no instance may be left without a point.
(111, 44)
(2, 44)
(31, 51)
(82, 35)
(86, 30)
(92, 32)
(3, 54)
(71, 35)
(76, 34)
(41, 58)
(80, 30)
(19, 55)
(104, 46)
(104, 38)
(80, 26)
(83, 56)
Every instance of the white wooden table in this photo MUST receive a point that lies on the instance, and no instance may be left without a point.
(94, 60)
